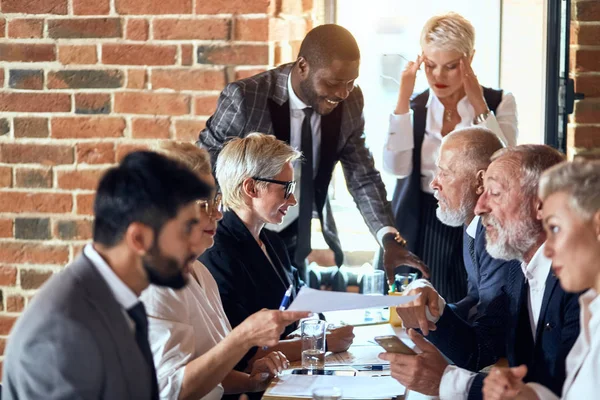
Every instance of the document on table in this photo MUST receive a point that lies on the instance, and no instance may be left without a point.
(323, 300)
(353, 387)
(356, 355)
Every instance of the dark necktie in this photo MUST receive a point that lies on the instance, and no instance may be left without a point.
(138, 315)
(471, 246)
(306, 191)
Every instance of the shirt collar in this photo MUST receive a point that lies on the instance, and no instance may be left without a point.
(295, 102)
(124, 295)
(472, 228)
(590, 301)
(539, 266)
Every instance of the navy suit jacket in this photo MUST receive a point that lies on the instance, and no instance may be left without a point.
(493, 334)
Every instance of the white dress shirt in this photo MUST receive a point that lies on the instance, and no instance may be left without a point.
(183, 325)
(398, 148)
(456, 382)
(296, 119)
(123, 294)
(472, 228)
(583, 361)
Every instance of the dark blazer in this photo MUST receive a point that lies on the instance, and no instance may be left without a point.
(247, 281)
(73, 342)
(261, 104)
(497, 333)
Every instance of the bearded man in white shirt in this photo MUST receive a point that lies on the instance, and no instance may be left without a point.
(542, 320)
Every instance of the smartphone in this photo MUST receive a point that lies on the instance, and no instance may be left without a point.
(393, 344)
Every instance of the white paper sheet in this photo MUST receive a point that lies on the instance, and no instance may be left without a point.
(353, 387)
(323, 300)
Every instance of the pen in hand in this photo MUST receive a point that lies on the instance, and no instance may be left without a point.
(285, 302)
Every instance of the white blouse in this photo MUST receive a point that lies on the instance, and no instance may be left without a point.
(398, 149)
(183, 325)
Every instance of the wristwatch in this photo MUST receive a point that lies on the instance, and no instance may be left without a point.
(481, 117)
(396, 237)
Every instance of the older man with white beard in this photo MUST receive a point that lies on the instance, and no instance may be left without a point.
(531, 320)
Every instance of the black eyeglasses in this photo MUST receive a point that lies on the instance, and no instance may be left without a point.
(210, 206)
(289, 185)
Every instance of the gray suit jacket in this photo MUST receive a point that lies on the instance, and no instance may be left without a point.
(261, 104)
(73, 342)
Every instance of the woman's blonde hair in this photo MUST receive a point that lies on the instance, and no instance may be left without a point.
(256, 155)
(449, 32)
(580, 180)
(190, 155)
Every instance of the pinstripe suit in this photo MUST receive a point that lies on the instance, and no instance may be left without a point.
(261, 104)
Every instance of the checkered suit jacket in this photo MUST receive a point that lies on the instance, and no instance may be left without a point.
(261, 104)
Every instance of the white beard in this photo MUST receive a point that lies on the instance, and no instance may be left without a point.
(513, 241)
(458, 217)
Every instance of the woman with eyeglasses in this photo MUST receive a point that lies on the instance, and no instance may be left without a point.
(194, 348)
(249, 263)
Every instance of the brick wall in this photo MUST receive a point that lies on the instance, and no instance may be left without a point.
(584, 127)
(82, 82)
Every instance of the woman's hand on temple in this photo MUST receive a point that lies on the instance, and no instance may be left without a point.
(407, 85)
(472, 87)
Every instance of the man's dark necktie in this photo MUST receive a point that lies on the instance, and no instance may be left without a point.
(138, 315)
(306, 190)
(471, 246)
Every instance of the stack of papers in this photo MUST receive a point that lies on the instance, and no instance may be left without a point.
(353, 387)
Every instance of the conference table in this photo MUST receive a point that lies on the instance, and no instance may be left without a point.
(363, 351)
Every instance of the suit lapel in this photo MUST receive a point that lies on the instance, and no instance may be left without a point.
(551, 282)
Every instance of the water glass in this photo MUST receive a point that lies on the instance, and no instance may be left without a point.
(373, 282)
(313, 343)
(327, 393)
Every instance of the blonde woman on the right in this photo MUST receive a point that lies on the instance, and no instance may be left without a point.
(570, 193)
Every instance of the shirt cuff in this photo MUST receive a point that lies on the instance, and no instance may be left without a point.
(456, 383)
(400, 133)
(421, 283)
(542, 392)
(383, 231)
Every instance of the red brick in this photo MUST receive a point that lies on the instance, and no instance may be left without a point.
(199, 29)
(587, 136)
(92, 103)
(240, 54)
(15, 303)
(6, 324)
(153, 7)
(87, 7)
(586, 11)
(6, 231)
(85, 28)
(5, 176)
(584, 60)
(75, 54)
(205, 105)
(31, 127)
(32, 253)
(27, 52)
(95, 153)
(18, 202)
(588, 85)
(26, 28)
(2, 347)
(187, 54)
(8, 275)
(587, 111)
(46, 154)
(138, 54)
(79, 178)
(80, 229)
(124, 149)
(243, 73)
(34, 6)
(152, 103)
(585, 34)
(87, 127)
(188, 130)
(137, 79)
(188, 79)
(2, 27)
(235, 6)
(30, 79)
(4, 126)
(137, 29)
(35, 102)
(151, 128)
(34, 177)
(77, 249)
(33, 279)
(85, 203)
(253, 29)
(1, 76)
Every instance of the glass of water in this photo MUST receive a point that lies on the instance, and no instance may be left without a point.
(327, 393)
(313, 343)
(372, 285)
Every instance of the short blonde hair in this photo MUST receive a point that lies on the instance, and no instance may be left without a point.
(190, 155)
(449, 32)
(256, 155)
(580, 180)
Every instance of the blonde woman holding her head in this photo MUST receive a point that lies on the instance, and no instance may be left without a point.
(454, 99)
(571, 217)
(193, 345)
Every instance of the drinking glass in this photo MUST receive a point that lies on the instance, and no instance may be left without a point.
(327, 393)
(313, 344)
